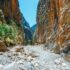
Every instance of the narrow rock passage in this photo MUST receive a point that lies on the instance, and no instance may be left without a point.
(32, 58)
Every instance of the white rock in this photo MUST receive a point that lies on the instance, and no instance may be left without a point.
(60, 59)
(12, 66)
(64, 64)
(36, 64)
(29, 58)
(1, 67)
(67, 68)
(57, 62)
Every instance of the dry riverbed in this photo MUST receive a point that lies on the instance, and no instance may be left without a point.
(32, 58)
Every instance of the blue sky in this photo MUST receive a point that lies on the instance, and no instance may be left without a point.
(29, 10)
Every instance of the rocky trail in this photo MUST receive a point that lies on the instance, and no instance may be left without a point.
(32, 58)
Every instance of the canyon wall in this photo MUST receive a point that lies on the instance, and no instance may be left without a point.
(10, 9)
(11, 23)
(53, 23)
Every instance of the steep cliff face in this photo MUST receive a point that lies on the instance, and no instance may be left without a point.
(10, 23)
(10, 9)
(53, 22)
(27, 31)
(33, 28)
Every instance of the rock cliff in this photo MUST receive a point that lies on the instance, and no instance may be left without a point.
(27, 31)
(10, 9)
(53, 23)
(11, 32)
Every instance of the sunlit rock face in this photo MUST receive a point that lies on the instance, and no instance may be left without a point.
(10, 22)
(53, 23)
(10, 9)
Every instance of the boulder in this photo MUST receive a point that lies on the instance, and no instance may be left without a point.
(3, 47)
(67, 57)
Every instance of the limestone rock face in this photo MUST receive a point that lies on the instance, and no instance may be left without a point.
(53, 23)
(27, 31)
(10, 22)
(10, 9)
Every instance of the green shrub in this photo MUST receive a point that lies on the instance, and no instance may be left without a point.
(7, 31)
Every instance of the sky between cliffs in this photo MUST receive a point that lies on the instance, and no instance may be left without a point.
(29, 10)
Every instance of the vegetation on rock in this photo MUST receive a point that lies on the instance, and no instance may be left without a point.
(11, 32)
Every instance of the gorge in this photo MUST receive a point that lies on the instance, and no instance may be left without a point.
(52, 28)
(45, 45)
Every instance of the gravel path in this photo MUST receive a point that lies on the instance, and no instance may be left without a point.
(32, 58)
